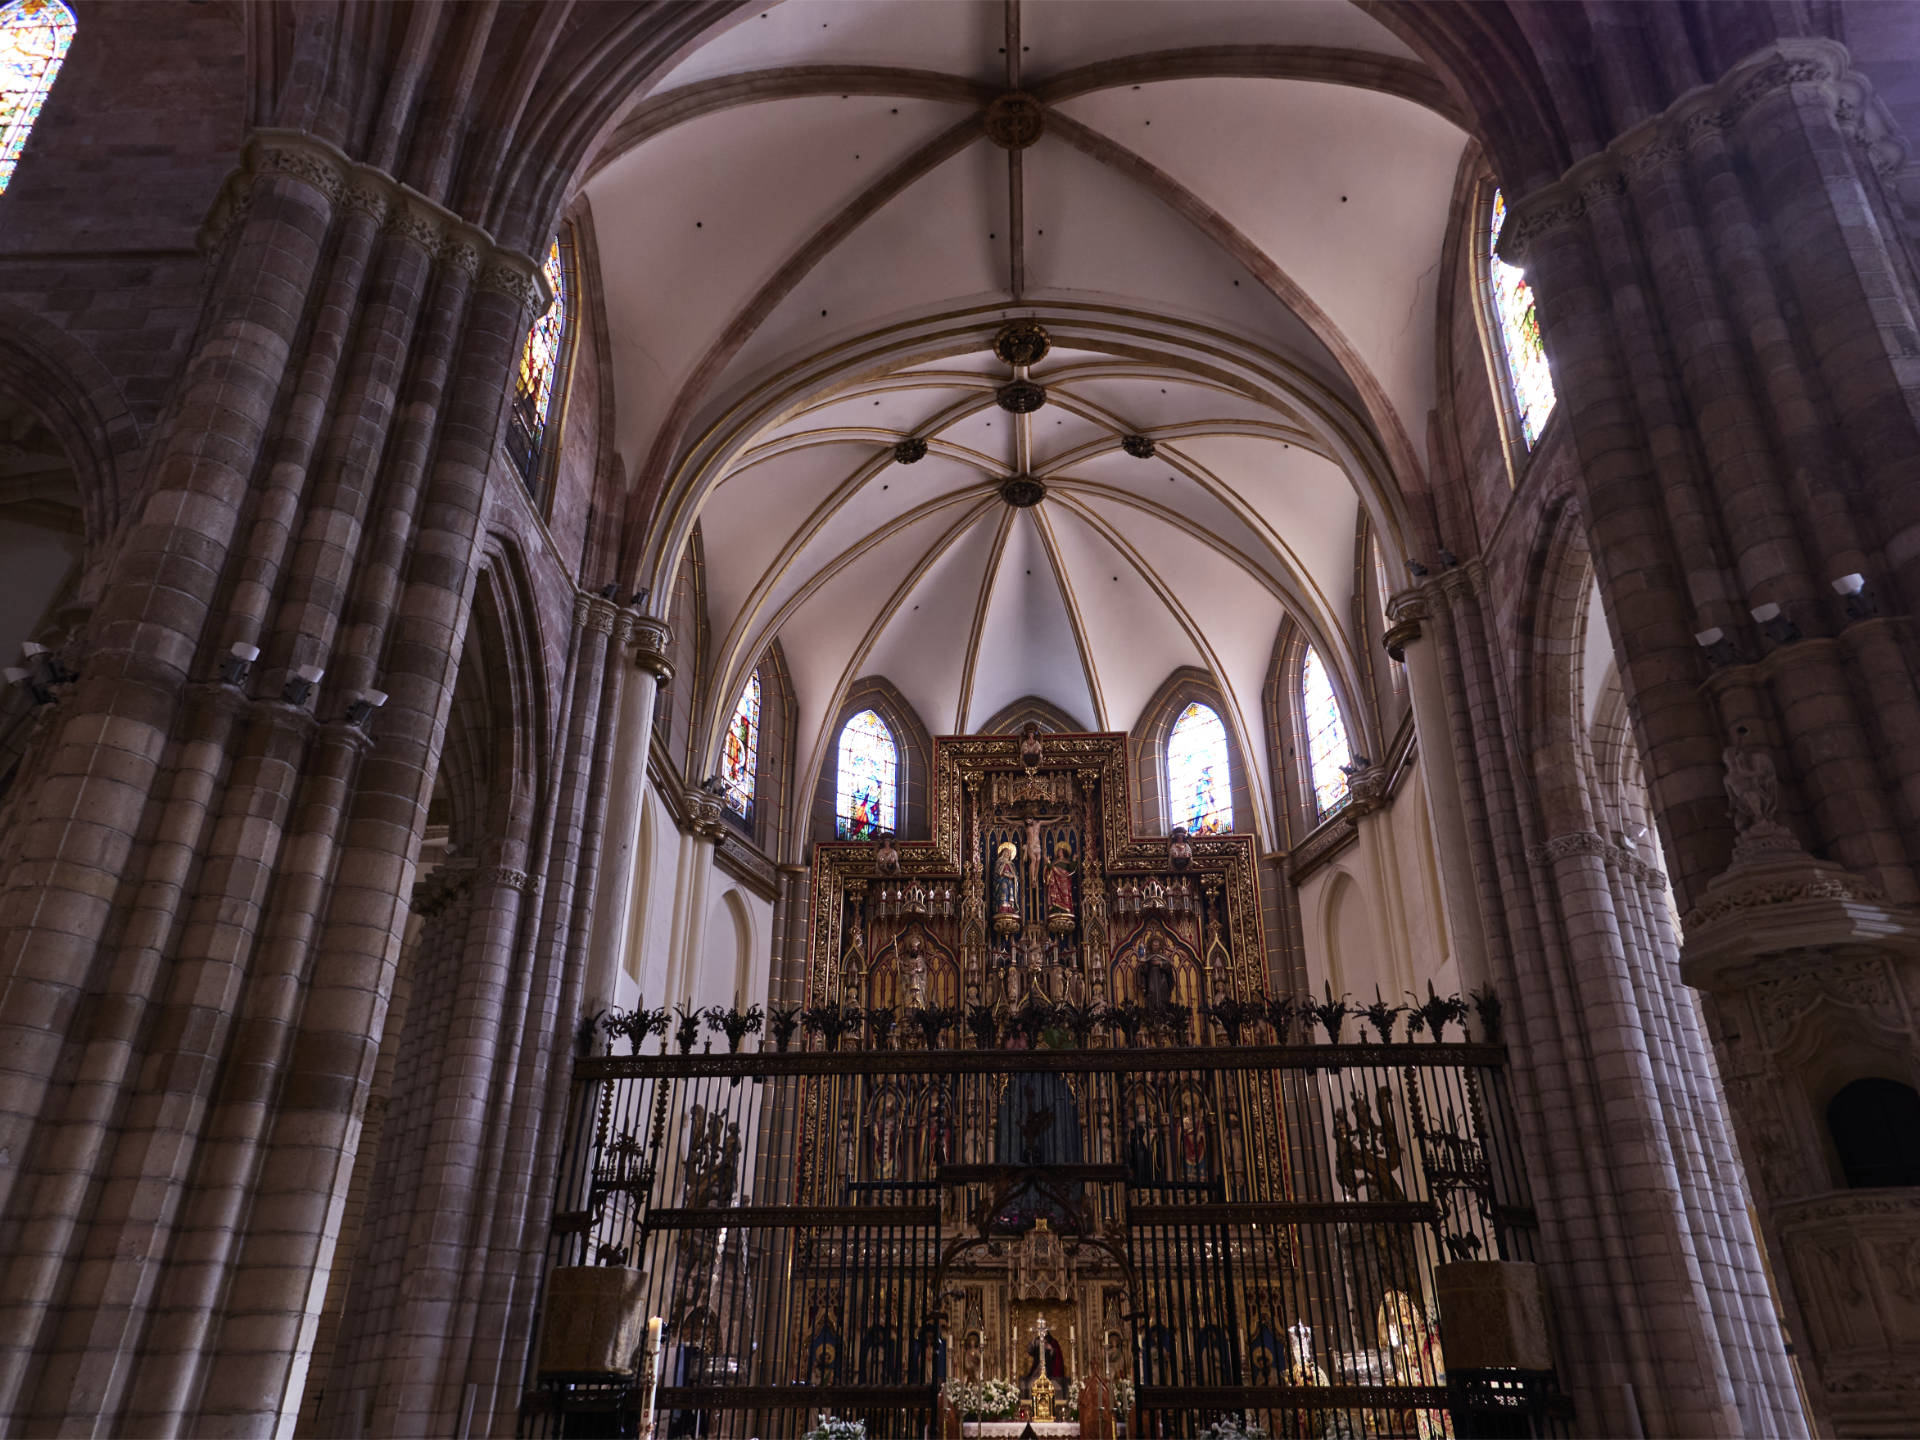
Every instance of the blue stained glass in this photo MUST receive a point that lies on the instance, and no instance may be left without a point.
(1527, 375)
(867, 780)
(34, 36)
(742, 748)
(1199, 794)
(1327, 748)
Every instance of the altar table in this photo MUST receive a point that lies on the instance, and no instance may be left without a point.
(1012, 1429)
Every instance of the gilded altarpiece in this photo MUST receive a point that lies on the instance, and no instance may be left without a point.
(1035, 919)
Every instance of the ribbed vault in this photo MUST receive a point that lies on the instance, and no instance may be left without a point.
(1230, 221)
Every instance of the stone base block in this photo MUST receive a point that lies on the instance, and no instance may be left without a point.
(594, 1324)
(1493, 1315)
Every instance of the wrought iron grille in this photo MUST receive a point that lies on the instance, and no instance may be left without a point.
(1259, 1224)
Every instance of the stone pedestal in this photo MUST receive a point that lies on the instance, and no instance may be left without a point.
(594, 1324)
(1493, 1315)
(1813, 982)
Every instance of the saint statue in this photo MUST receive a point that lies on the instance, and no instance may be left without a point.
(1192, 1141)
(1179, 849)
(886, 1137)
(1030, 746)
(1156, 976)
(913, 971)
(1060, 889)
(1006, 889)
(1142, 1166)
(1753, 788)
(886, 859)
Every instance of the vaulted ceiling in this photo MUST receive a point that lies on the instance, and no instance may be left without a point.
(1231, 223)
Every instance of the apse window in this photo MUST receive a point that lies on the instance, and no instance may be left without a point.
(1327, 747)
(868, 778)
(740, 753)
(34, 36)
(1199, 796)
(539, 391)
(1875, 1124)
(1523, 359)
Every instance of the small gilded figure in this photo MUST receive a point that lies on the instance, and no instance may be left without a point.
(1060, 889)
(1006, 888)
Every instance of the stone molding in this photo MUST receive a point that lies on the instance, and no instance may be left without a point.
(1322, 845)
(1665, 137)
(403, 211)
(1767, 885)
(745, 863)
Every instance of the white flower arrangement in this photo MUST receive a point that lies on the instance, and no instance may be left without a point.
(1233, 1429)
(831, 1427)
(1123, 1397)
(983, 1399)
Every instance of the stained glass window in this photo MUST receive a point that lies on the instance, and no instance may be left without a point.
(739, 755)
(34, 36)
(542, 359)
(1527, 374)
(1327, 748)
(1198, 793)
(868, 778)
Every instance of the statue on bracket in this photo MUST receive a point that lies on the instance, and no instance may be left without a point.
(1060, 889)
(1006, 889)
(886, 858)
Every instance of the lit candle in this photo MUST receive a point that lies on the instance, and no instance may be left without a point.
(653, 1334)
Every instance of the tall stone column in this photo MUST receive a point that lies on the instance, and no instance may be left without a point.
(1728, 295)
(613, 914)
(703, 840)
(1440, 774)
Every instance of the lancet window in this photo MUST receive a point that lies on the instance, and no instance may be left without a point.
(740, 754)
(1529, 382)
(868, 778)
(541, 381)
(34, 36)
(1326, 734)
(1199, 794)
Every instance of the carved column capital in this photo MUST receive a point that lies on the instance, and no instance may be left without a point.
(704, 814)
(1561, 847)
(650, 640)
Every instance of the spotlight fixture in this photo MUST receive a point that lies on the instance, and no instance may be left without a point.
(638, 600)
(237, 663)
(1779, 626)
(20, 675)
(1719, 649)
(47, 669)
(1854, 595)
(363, 706)
(610, 589)
(1416, 569)
(299, 687)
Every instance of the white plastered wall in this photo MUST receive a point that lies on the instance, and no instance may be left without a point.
(1372, 915)
(695, 934)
